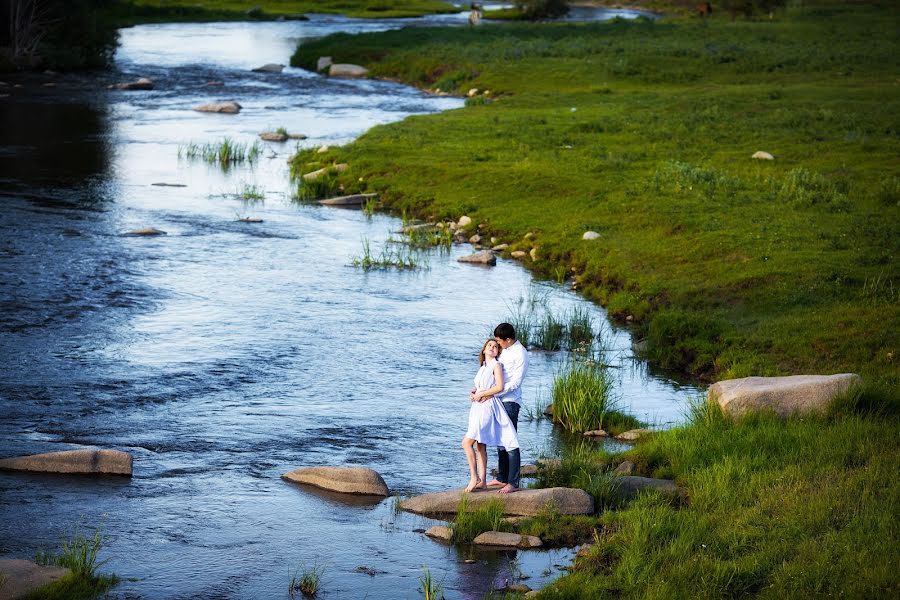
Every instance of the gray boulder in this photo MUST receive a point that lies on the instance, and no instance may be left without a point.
(347, 480)
(347, 71)
(513, 540)
(484, 257)
(796, 394)
(86, 461)
(527, 502)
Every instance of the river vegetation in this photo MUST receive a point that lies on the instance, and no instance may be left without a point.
(81, 555)
(643, 131)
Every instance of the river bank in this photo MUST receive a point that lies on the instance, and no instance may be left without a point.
(644, 132)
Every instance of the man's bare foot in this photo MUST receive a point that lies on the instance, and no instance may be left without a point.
(508, 489)
(473, 483)
(494, 482)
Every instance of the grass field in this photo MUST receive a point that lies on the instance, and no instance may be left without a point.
(643, 131)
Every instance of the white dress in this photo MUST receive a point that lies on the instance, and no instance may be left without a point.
(488, 422)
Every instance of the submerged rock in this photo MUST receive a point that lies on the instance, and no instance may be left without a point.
(347, 480)
(632, 435)
(440, 532)
(484, 257)
(795, 394)
(146, 231)
(141, 84)
(513, 540)
(84, 462)
(527, 502)
(347, 71)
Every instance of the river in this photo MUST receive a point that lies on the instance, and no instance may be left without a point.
(227, 353)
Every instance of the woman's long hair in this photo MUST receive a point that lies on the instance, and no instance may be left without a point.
(481, 359)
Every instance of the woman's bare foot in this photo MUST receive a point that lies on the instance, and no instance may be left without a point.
(494, 482)
(508, 489)
(473, 483)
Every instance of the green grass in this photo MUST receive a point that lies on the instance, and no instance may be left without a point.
(582, 399)
(470, 523)
(430, 588)
(643, 132)
(306, 580)
(81, 555)
(225, 153)
(393, 256)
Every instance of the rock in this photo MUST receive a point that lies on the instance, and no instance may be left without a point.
(632, 435)
(584, 550)
(21, 577)
(348, 480)
(297, 136)
(596, 433)
(440, 532)
(513, 540)
(250, 220)
(514, 520)
(625, 468)
(464, 221)
(273, 136)
(760, 155)
(323, 149)
(161, 184)
(475, 239)
(347, 71)
(86, 461)
(313, 175)
(548, 411)
(532, 593)
(528, 502)
(269, 68)
(500, 247)
(528, 235)
(141, 84)
(590, 235)
(639, 346)
(231, 107)
(323, 63)
(146, 231)
(215, 83)
(351, 200)
(528, 470)
(627, 487)
(472, 92)
(484, 257)
(518, 588)
(549, 462)
(517, 253)
(533, 254)
(796, 394)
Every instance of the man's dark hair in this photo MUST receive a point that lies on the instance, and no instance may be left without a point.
(505, 331)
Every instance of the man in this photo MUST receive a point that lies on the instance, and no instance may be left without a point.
(514, 360)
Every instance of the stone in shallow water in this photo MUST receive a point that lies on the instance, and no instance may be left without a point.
(513, 540)
(528, 502)
(347, 480)
(440, 532)
(86, 462)
(21, 577)
(484, 257)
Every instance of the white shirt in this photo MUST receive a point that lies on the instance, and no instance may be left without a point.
(514, 361)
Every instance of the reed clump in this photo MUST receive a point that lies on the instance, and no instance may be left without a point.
(470, 523)
(583, 398)
(306, 580)
(392, 256)
(81, 555)
(226, 153)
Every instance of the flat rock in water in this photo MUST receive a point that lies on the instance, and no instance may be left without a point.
(632, 435)
(629, 486)
(513, 540)
(351, 200)
(21, 577)
(347, 71)
(88, 462)
(484, 257)
(796, 394)
(273, 136)
(231, 108)
(161, 184)
(146, 231)
(347, 480)
(440, 532)
(527, 502)
(141, 84)
(595, 433)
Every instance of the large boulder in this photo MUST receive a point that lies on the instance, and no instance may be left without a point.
(86, 461)
(484, 257)
(513, 540)
(231, 107)
(347, 71)
(526, 502)
(347, 480)
(21, 577)
(796, 394)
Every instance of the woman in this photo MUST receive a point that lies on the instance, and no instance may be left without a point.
(489, 425)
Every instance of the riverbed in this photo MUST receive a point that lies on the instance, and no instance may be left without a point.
(226, 352)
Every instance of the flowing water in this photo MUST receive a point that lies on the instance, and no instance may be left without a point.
(226, 353)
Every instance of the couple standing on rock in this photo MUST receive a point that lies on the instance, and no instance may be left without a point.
(494, 413)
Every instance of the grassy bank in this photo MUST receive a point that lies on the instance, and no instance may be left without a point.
(643, 132)
(774, 509)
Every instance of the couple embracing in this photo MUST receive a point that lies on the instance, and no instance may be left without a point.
(494, 411)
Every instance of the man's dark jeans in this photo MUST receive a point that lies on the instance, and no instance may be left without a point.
(509, 463)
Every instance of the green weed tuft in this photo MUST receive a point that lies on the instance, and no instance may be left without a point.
(470, 523)
(306, 580)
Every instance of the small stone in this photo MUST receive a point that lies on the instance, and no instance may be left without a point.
(464, 221)
(632, 435)
(470, 561)
(500, 247)
(273, 136)
(518, 253)
(440, 532)
(494, 240)
(590, 235)
(484, 257)
(472, 92)
(596, 433)
(323, 149)
(269, 68)
(475, 239)
(625, 468)
(629, 318)
(513, 540)
(231, 107)
(533, 253)
(323, 63)
(347, 71)
(528, 235)
(519, 588)
(760, 155)
(548, 411)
